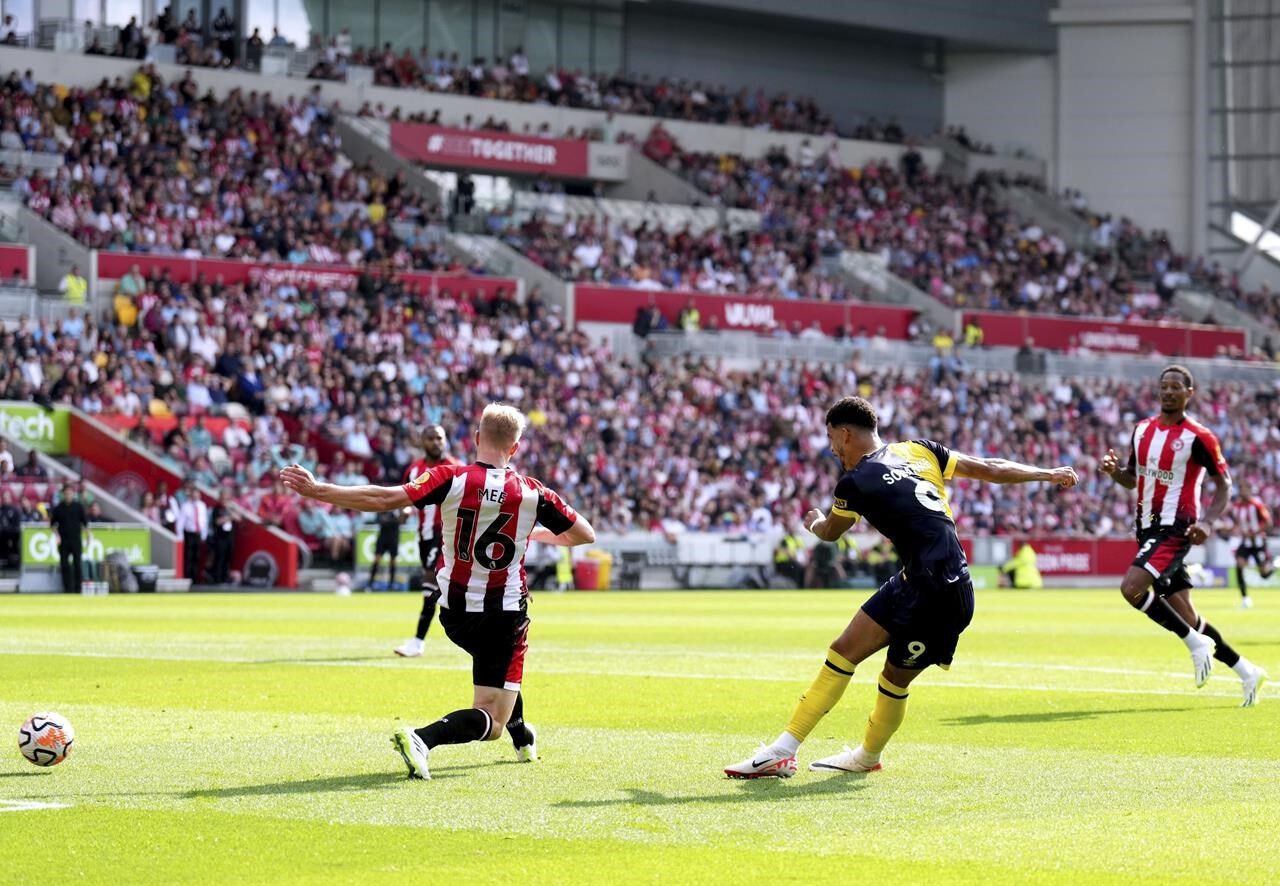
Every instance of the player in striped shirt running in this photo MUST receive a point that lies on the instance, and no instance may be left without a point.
(488, 514)
(1251, 520)
(1170, 457)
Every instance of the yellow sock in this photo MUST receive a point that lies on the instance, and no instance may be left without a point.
(822, 696)
(886, 716)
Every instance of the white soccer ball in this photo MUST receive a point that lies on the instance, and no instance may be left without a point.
(342, 584)
(45, 739)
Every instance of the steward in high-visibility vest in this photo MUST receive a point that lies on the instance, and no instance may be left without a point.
(1021, 569)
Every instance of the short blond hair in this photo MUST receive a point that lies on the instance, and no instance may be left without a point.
(501, 425)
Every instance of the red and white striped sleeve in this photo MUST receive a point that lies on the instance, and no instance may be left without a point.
(1207, 452)
(431, 486)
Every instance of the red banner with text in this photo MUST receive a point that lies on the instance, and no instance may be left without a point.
(605, 304)
(1081, 556)
(490, 151)
(114, 265)
(1064, 333)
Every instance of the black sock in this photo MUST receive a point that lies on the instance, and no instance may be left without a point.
(391, 575)
(1223, 653)
(1244, 590)
(520, 735)
(460, 727)
(424, 620)
(373, 572)
(1159, 611)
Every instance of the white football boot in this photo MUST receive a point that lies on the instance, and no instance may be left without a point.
(766, 763)
(848, 760)
(412, 751)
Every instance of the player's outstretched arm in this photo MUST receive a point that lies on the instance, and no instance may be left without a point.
(357, 498)
(999, 470)
(580, 533)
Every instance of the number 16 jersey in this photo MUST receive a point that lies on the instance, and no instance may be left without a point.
(486, 516)
(899, 489)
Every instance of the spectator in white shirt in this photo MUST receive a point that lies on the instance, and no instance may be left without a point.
(192, 523)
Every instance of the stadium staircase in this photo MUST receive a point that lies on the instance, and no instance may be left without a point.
(369, 141)
(58, 251)
(127, 470)
(499, 258)
(1048, 213)
(869, 275)
(647, 180)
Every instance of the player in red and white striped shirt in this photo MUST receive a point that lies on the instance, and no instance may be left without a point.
(434, 443)
(1251, 520)
(1170, 457)
(488, 513)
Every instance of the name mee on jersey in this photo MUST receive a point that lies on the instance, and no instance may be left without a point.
(486, 494)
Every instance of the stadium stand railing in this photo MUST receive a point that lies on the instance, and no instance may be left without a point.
(671, 217)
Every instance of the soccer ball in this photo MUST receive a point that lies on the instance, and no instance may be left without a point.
(45, 739)
(342, 584)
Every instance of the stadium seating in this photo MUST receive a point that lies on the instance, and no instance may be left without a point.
(953, 240)
(653, 446)
(154, 167)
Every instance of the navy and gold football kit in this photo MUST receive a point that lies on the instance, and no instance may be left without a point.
(899, 490)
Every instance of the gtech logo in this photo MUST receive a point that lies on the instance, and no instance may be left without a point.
(36, 428)
(42, 547)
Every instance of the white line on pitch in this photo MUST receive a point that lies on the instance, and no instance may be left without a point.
(29, 805)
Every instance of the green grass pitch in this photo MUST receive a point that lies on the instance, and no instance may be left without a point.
(244, 739)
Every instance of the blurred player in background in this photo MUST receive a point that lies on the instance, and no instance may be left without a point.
(489, 514)
(1170, 455)
(920, 612)
(434, 446)
(1251, 520)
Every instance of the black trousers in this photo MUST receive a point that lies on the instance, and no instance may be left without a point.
(221, 547)
(191, 556)
(9, 543)
(71, 562)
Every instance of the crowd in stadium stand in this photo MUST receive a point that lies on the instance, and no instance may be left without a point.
(509, 79)
(154, 166)
(780, 264)
(339, 379)
(951, 239)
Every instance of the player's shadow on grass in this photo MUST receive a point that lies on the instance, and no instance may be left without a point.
(1053, 716)
(333, 784)
(760, 790)
(32, 774)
